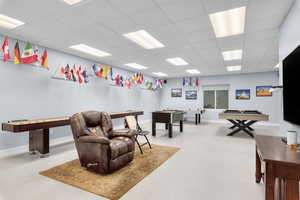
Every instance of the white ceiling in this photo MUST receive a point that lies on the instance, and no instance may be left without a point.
(182, 25)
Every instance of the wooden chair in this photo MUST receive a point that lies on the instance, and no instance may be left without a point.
(132, 123)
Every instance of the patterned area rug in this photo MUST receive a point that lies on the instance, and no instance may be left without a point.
(112, 186)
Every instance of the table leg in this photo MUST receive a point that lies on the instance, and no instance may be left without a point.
(258, 174)
(153, 128)
(170, 130)
(235, 123)
(232, 127)
(269, 182)
(39, 141)
(136, 140)
(167, 126)
(292, 189)
(241, 126)
(250, 123)
(282, 187)
(248, 132)
(181, 125)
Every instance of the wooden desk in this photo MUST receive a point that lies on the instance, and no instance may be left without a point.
(282, 166)
(169, 117)
(39, 129)
(243, 120)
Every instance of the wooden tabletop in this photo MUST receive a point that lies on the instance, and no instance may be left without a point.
(272, 149)
(244, 116)
(28, 125)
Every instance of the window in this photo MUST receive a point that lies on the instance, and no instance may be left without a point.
(209, 99)
(222, 99)
(215, 98)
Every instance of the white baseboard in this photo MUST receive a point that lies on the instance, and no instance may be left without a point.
(53, 142)
(24, 148)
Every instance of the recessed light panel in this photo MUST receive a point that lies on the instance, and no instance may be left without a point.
(232, 55)
(229, 22)
(159, 74)
(72, 2)
(9, 22)
(193, 71)
(177, 61)
(90, 50)
(234, 68)
(144, 39)
(136, 66)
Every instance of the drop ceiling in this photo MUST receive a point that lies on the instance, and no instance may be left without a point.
(182, 26)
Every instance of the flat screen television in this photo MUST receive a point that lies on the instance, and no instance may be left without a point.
(291, 87)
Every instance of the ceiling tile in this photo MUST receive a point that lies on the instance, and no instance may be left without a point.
(179, 10)
(213, 6)
(183, 26)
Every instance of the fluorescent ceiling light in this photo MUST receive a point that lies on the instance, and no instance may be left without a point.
(193, 71)
(234, 68)
(144, 39)
(8, 22)
(72, 2)
(136, 66)
(177, 61)
(159, 74)
(90, 50)
(229, 22)
(232, 55)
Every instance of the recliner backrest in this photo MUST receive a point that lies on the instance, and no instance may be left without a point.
(106, 123)
(92, 118)
(78, 125)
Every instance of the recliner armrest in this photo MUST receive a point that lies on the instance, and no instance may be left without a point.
(94, 139)
(124, 133)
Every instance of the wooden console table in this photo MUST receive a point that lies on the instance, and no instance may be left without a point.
(282, 168)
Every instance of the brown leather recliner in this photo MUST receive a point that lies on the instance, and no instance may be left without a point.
(99, 147)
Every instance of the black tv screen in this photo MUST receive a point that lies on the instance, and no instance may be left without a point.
(291, 87)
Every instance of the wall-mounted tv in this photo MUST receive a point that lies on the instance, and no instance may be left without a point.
(291, 87)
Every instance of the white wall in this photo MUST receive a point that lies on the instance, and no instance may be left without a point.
(28, 92)
(289, 39)
(268, 105)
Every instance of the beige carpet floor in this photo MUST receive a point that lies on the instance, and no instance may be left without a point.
(112, 186)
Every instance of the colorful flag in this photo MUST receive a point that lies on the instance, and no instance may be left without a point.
(118, 80)
(62, 72)
(36, 52)
(5, 49)
(29, 55)
(17, 57)
(79, 75)
(149, 85)
(105, 70)
(85, 76)
(68, 73)
(197, 82)
(44, 62)
(158, 84)
(73, 71)
(94, 67)
(111, 74)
